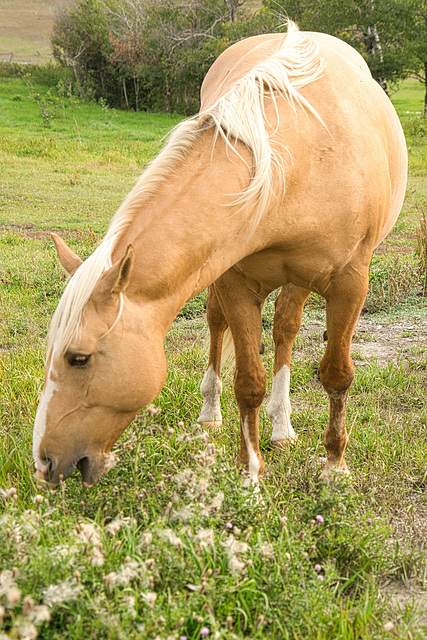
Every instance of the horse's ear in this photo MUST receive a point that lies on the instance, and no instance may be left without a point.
(117, 278)
(70, 262)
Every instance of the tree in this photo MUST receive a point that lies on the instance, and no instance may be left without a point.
(416, 43)
(130, 56)
(376, 28)
(150, 54)
(80, 41)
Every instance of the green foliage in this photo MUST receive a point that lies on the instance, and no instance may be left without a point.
(391, 281)
(386, 32)
(148, 55)
(422, 250)
(416, 128)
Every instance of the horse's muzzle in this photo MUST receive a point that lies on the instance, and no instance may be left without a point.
(91, 468)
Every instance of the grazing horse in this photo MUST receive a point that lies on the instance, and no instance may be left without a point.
(290, 175)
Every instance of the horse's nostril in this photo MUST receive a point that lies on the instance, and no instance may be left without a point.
(49, 463)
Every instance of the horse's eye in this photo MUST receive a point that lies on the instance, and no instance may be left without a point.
(78, 360)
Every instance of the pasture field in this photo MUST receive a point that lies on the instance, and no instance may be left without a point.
(172, 543)
(25, 29)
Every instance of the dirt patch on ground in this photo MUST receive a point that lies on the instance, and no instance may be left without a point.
(401, 596)
(380, 343)
(389, 342)
(25, 230)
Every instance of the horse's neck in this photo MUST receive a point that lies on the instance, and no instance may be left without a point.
(190, 231)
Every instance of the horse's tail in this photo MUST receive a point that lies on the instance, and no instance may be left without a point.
(227, 353)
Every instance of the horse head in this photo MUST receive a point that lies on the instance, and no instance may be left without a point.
(113, 365)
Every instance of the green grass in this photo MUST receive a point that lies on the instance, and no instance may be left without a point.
(171, 540)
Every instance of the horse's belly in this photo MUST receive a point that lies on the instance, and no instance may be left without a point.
(274, 268)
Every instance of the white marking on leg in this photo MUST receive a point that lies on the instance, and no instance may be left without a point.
(40, 421)
(211, 389)
(279, 407)
(253, 458)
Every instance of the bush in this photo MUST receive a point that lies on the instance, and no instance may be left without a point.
(148, 55)
(416, 127)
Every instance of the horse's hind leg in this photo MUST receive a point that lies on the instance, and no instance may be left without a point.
(211, 387)
(344, 304)
(287, 321)
(241, 300)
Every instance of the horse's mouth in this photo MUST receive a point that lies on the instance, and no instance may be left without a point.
(90, 467)
(83, 466)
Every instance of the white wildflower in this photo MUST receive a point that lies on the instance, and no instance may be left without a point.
(206, 537)
(202, 485)
(235, 547)
(13, 596)
(89, 533)
(6, 581)
(150, 598)
(114, 527)
(185, 478)
(153, 411)
(236, 565)
(9, 494)
(170, 535)
(61, 592)
(128, 572)
(26, 630)
(183, 514)
(97, 559)
(130, 601)
(110, 579)
(27, 605)
(146, 539)
(267, 550)
(216, 503)
(40, 613)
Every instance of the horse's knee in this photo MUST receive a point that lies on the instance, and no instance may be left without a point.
(249, 388)
(336, 378)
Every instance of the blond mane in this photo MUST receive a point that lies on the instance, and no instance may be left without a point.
(237, 116)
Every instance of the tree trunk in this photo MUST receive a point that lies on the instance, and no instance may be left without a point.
(373, 47)
(425, 85)
(136, 85)
(125, 93)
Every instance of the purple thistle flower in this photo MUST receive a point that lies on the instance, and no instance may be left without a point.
(204, 632)
(320, 519)
(228, 526)
(320, 577)
(317, 568)
(182, 637)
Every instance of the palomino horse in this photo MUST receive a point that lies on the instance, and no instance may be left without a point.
(291, 174)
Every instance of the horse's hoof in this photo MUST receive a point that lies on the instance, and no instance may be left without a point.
(210, 424)
(332, 474)
(283, 444)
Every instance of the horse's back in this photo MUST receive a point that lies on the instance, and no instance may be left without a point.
(361, 124)
(241, 57)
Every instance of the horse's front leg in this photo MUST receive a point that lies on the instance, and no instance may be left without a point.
(211, 387)
(287, 321)
(343, 308)
(241, 300)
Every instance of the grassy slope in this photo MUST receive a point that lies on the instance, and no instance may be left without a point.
(66, 166)
(25, 29)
